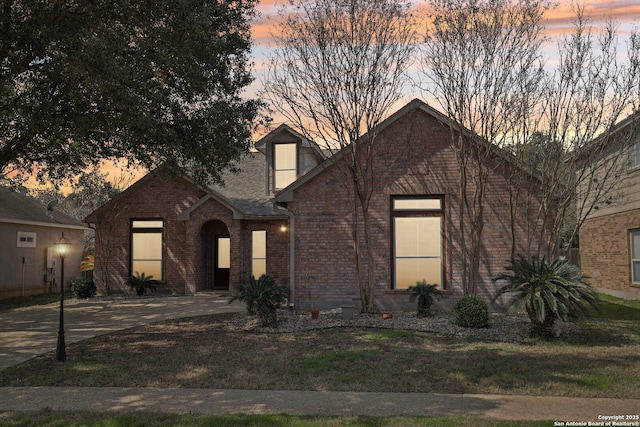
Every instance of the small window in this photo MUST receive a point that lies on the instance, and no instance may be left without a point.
(417, 241)
(635, 256)
(634, 156)
(258, 253)
(285, 164)
(416, 204)
(146, 247)
(26, 239)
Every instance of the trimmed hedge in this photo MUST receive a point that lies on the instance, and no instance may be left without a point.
(83, 287)
(471, 312)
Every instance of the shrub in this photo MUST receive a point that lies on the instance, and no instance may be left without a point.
(263, 295)
(83, 287)
(471, 312)
(547, 290)
(425, 295)
(141, 283)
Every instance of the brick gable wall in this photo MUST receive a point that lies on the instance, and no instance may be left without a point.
(158, 195)
(426, 165)
(165, 196)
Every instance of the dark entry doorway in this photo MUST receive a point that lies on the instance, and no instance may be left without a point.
(218, 255)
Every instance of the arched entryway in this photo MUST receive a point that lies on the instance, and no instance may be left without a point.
(217, 244)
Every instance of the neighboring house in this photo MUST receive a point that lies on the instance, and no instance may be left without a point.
(28, 232)
(287, 213)
(610, 236)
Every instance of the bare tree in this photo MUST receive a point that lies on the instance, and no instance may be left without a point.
(338, 69)
(593, 87)
(483, 66)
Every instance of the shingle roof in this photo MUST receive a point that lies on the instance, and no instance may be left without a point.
(19, 208)
(247, 190)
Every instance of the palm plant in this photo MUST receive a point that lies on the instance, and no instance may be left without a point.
(426, 296)
(141, 283)
(263, 295)
(547, 290)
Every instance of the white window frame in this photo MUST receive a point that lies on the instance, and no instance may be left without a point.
(634, 252)
(634, 155)
(26, 239)
(277, 183)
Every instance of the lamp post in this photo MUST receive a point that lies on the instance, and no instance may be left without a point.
(62, 249)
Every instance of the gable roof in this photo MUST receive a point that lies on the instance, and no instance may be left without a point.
(243, 192)
(18, 208)
(286, 195)
(620, 136)
(285, 133)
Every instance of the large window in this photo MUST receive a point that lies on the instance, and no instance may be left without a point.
(285, 164)
(634, 155)
(635, 256)
(417, 241)
(146, 247)
(258, 253)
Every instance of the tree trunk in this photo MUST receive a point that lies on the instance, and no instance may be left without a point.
(267, 313)
(424, 309)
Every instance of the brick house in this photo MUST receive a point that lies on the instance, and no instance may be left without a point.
(287, 213)
(610, 234)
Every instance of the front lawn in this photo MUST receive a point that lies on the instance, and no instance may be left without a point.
(600, 359)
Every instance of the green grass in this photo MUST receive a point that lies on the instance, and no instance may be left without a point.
(93, 419)
(31, 301)
(617, 308)
(602, 360)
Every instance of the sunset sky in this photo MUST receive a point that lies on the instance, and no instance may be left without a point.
(627, 12)
(558, 22)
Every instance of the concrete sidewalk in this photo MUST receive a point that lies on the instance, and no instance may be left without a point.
(312, 403)
(30, 332)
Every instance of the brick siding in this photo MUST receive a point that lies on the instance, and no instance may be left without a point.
(164, 196)
(605, 251)
(426, 165)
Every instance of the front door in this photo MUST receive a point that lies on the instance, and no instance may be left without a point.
(217, 255)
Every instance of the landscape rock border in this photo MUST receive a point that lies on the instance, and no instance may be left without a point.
(510, 328)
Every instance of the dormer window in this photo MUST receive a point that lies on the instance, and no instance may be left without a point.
(285, 164)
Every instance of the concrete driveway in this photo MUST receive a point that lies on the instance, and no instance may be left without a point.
(26, 333)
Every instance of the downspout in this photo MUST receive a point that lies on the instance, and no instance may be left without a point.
(292, 253)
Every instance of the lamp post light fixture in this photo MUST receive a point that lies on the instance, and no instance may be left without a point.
(62, 249)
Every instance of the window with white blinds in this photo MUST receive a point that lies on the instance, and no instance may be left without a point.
(417, 241)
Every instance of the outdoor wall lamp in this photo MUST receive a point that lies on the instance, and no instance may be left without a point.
(62, 249)
(283, 228)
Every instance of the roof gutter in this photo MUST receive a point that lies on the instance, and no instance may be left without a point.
(43, 224)
(292, 252)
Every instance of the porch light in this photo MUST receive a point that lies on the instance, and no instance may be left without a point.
(283, 228)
